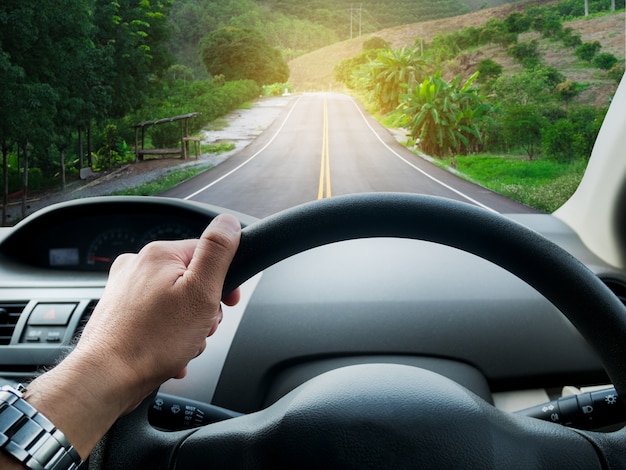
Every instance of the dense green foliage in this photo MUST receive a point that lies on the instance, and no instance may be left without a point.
(210, 98)
(76, 76)
(527, 109)
(296, 27)
(64, 66)
(529, 113)
(444, 117)
(240, 54)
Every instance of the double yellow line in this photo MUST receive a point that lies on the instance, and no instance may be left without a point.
(325, 166)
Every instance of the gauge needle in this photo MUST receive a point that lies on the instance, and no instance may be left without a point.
(101, 259)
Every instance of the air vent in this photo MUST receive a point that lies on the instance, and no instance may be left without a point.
(85, 318)
(618, 287)
(9, 315)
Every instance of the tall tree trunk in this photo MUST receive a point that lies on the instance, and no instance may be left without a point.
(25, 178)
(586, 7)
(81, 150)
(63, 169)
(612, 5)
(89, 162)
(5, 182)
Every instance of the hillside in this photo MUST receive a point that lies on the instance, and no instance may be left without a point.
(314, 71)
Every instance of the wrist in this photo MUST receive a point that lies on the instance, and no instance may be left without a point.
(79, 400)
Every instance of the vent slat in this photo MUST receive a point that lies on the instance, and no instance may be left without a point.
(9, 315)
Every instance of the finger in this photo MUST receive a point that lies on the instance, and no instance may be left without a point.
(215, 250)
(232, 298)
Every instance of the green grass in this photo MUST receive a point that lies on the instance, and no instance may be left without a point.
(217, 148)
(168, 181)
(543, 183)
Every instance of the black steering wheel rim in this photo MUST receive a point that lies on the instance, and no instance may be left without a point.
(553, 272)
(577, 292)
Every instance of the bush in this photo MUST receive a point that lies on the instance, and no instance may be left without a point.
(517, 22)
(277, 89)
(570, 39)
(375, 43)
(524, 50)
(530, 63)
(572, 138)
(523, 127)
(488, 69)
(558, 141)
(604, 61)
(616, 72)
(567, 90)
(588, 50)
(345, 69)
(552, 76)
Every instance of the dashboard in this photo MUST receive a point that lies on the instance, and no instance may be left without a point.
(90, 241)
(375, 300)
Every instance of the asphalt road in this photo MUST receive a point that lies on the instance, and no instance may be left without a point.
(324, 145)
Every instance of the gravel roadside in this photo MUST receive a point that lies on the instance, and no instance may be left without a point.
(241, 127)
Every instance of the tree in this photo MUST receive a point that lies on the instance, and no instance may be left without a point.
(523, 127)
(240, 54)
(130, 39)
(375, 42)
(588, 50)
(489, 69)
(445, 117)
(529, 87)
(389, 73)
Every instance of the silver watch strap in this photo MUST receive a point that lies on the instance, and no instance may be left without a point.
(30, 437)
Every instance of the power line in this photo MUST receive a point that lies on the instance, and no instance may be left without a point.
(356, 14)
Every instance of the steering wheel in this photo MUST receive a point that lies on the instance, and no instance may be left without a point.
(396, 416)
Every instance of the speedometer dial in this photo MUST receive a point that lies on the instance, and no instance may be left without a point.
(169, 231)
(109, 245)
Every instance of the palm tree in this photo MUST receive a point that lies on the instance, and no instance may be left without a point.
(390, 73)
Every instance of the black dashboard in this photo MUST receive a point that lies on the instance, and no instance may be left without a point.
(90, 240)
(361, 301)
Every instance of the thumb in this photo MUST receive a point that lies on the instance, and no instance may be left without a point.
(215, 251)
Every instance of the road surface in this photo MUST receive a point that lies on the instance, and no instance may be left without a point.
(324, 145)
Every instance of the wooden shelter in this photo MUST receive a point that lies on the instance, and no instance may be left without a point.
(182, 151)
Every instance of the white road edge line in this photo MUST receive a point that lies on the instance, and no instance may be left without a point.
(249, 159)
(465, 196)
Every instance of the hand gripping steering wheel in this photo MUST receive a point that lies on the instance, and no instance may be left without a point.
(396, 416)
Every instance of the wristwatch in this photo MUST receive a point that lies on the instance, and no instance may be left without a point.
(30, 437)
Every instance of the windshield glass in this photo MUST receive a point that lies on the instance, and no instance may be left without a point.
(258, 106)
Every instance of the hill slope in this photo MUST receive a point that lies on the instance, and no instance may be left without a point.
(314, 71)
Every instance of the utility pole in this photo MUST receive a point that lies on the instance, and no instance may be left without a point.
(358, 16)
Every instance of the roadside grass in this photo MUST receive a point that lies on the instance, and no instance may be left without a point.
(163, 183)
(543, 183)
(218, 147)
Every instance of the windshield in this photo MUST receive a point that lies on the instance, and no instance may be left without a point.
(259, 106)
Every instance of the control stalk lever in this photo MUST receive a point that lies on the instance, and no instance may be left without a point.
(590, 410)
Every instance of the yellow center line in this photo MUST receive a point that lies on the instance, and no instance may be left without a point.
(325, 165)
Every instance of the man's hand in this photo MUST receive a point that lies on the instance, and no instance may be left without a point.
(154, 316)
